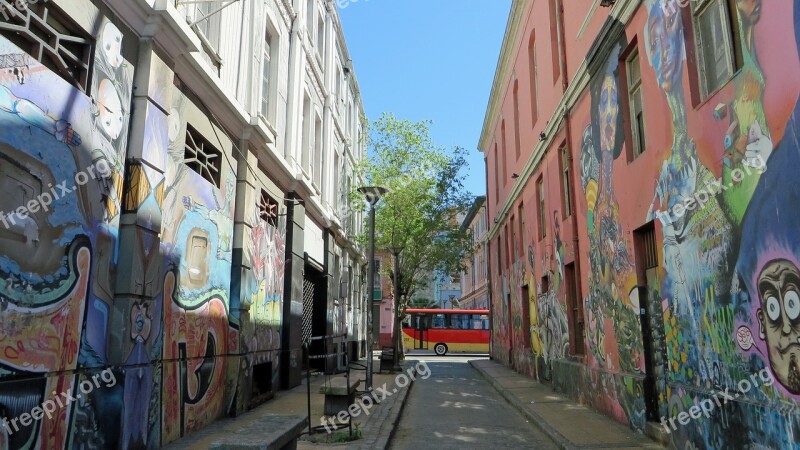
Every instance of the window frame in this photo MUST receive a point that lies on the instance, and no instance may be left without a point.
(638, 130)
(266, 74)
(566, 175)
(732, 46)
(541, 206)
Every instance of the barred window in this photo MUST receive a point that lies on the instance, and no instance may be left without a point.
(50, 37)
(268, 209)
(202, 157)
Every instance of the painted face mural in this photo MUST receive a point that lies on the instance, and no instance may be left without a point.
(749, 11)
(110, 108)
(665, 45)
(112, 45)
(609, 112)
(779, 320)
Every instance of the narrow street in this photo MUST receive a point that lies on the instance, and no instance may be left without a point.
(455, 408)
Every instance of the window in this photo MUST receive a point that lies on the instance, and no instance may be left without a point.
(206, 18)
(719, 53)
(554, 46)
(306, 147)
(566, 199)
(507, 248)
(320, 36)
(50, 37)
(265, 75)
(268, 209)
(521, 234)
(496, 175)
(517, 145)
(503, 149)
(202, 157)
(513, 249)
(634, 74)
(532, 72)
(542, 211)
(310, 18)
(317, 169)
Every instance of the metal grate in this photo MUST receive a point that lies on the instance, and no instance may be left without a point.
(268, 209)
(308, 309)
(649, 249)
(202, 157)
(50, 37)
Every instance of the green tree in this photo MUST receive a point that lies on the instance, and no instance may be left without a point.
(419, 213)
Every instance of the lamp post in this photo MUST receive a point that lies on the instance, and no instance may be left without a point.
(397, 332)
(372, 195)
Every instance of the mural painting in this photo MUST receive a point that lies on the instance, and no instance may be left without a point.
(611, 308)
(61, 155)
(263, 287)
(199, 331)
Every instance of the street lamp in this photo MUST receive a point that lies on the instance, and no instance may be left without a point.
(397, 332)
(372, 195)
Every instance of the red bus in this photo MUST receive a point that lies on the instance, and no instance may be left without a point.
(444, 330)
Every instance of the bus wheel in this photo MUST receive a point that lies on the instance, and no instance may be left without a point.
(440, 349)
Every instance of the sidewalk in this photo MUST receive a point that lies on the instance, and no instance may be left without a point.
(570, 425)
(376, 428)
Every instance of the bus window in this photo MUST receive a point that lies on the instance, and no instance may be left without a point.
(439, 321)
(460, 321)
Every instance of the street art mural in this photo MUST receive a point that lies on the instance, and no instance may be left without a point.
(199, 329)
(726, 289)
(262, 287)
(612, 306)
(61, 160)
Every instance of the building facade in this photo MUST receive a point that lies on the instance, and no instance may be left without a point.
(176, 223)
(474, 280)
(639, 190)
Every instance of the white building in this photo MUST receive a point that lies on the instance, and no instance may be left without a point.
(220, 238)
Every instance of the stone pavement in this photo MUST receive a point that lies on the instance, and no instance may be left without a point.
(376, 428)
(570, 425)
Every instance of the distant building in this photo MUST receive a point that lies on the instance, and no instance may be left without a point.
(474, 280)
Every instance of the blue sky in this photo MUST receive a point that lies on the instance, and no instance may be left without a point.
(429, 59)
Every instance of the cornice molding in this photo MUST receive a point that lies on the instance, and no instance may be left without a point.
(504, 63)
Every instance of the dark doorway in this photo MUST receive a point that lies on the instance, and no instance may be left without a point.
(646, 269)
(575, 309)
(526, 316)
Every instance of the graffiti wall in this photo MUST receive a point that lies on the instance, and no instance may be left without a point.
(709, 302)
(61, 170)
(122, 321)
(722, 289)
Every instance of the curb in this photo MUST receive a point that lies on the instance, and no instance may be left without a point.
(387, 428)
(557, 438)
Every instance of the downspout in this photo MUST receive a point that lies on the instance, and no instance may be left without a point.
(570, 152)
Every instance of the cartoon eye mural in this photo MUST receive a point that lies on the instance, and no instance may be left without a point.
(773, 309)
(112, 45)
(110, 109)
(791, 302)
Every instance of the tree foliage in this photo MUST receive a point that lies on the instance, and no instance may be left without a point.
(419, 213)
